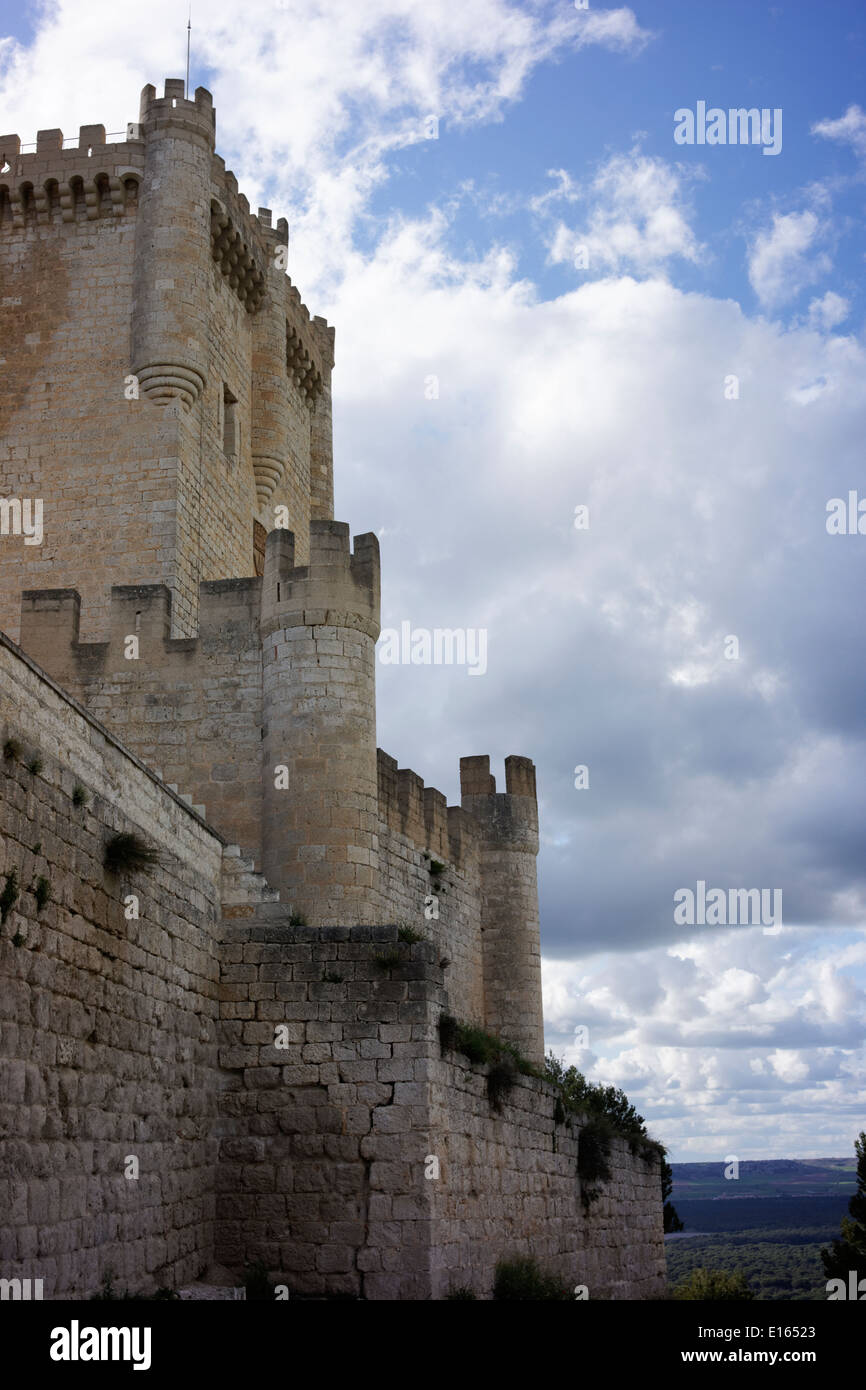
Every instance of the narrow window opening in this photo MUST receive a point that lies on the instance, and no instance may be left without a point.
(230, 425)
(260, 537)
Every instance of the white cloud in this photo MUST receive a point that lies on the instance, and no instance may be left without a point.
(828, 312)
(311, 101)
(714, 1037)
(786, 258)
(849, 129)
(638, 218)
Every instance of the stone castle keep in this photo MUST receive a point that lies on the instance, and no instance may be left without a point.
(188, 656)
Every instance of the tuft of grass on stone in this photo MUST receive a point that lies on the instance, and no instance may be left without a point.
(41, 891)
(9, 896)
(500, 1079)
(409, 936)
(485, 1049)
(462, 1294)
(448, 1032)
(35, 765)
(128, 853)
(79, 795)
(12, 749)
(330, 978)
(297, 919)
(387, 960)
(437, 868)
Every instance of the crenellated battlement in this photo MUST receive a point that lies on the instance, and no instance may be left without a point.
(67, 183)
(338, 587)
(450, 834)
(51, 625)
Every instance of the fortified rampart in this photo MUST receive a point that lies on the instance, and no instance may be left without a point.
(151, 1123)
(267, 721)
(251, 1022)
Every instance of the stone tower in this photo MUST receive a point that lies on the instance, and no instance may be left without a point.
(161, 380)
(319, 628)
(509, 897)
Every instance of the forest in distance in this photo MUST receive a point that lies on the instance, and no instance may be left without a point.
(769, 1223)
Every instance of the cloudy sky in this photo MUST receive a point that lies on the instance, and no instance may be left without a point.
(543, 302)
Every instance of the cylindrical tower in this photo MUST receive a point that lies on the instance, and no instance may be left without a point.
(172, 245)
(510, 940)
(270, 381)
(320, 623)
(321, 433)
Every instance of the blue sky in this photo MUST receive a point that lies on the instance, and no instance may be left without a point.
(601, 385)
(740, 54)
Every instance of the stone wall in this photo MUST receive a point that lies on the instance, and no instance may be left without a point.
(332, 1138)
(107, 1023)
(416, 831)
(509, 1187)
(190, 707)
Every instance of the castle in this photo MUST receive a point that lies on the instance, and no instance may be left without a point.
(235, 1054)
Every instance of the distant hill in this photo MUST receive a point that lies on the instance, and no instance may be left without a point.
(769, 1223)
(783, 1177)
(778, 1192)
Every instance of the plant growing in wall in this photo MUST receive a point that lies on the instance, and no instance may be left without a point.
(35, 765)
(9, 896)
(437, 869)
(79, 795)
(610, 1114)
(408, 935)
(500, 1079)
(387, 960)
(297, 919)
(593, 1154)
(128, 853)
(504, 1060)
(41, 891)
(12, 749)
